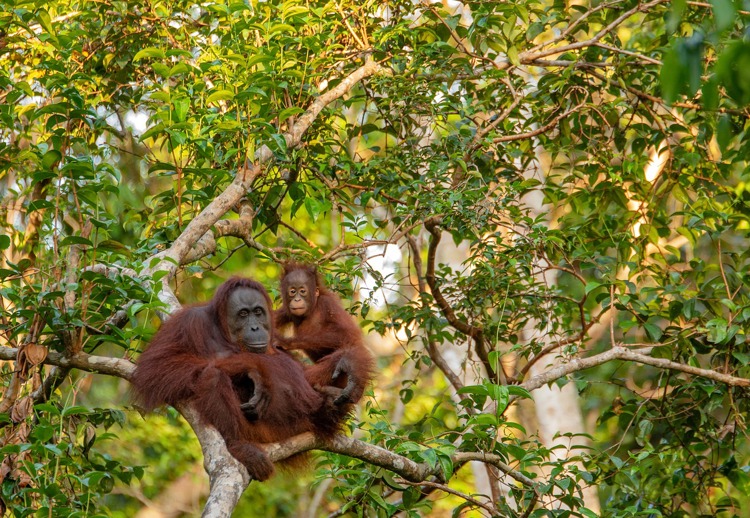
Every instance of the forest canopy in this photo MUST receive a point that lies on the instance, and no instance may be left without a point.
(537, 212)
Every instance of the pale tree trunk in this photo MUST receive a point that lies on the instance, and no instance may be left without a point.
(558, 409)
(487, 480)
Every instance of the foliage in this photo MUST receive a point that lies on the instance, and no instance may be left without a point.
(505, 185)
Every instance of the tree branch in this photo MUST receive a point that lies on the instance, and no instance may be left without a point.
(474, 332)
(445, 307)
(528, 57)
(229, 478)
(619, 352)
(169, 259)
(83, 361)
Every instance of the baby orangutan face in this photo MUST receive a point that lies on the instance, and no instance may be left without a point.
(300, 292)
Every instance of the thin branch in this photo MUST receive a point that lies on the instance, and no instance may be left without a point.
(646, 59)
(474, 332)
(640, 94)
(432, 348)
(574, 24)
(294, 136)
(464, 496)
(528, 56)
(561, 343)
(54, 379)
(497, 461)
(342, 247)
(301, 236)
(709, 6)
(538, 131)
(481, 133)
(619, 352)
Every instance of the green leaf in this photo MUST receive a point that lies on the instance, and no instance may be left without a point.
(75, 240)
(430, 457)
(446, 466)
(740, 479)
(149, 52)
(220, 95)
(285, 114)
(280, 28)
(591, 286)
(45, 21)
(154, 131)
(513, 56)
(75, 410)
(473, 389)
(653, 331)
(724, 132)
(724, 13)
(51, 158)
(743, 358)
(515, 390)
(733, 71)
(670, 76)
(181, 106)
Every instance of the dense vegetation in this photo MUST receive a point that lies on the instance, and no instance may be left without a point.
(527, 205)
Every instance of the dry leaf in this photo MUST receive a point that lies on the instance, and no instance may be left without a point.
(23, 478)
(5, 468)
(35, 353)
(21, 433)
(21, 409)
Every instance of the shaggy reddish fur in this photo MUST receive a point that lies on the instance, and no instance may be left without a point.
(327, 334)
(193, 359)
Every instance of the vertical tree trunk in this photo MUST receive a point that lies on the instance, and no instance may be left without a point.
(558, 410)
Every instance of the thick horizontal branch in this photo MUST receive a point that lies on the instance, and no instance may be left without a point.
(663, 363)
(375, 455)
(85, 362)
(229, 478)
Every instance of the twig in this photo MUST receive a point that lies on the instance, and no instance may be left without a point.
(527, 56)
(446, 489)
(538, 131)
(432, 349)
(474, 332)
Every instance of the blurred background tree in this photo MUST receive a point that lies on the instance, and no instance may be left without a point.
(537, 210)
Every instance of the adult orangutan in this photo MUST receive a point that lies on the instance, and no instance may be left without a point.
(327, 334)
(218, 356)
